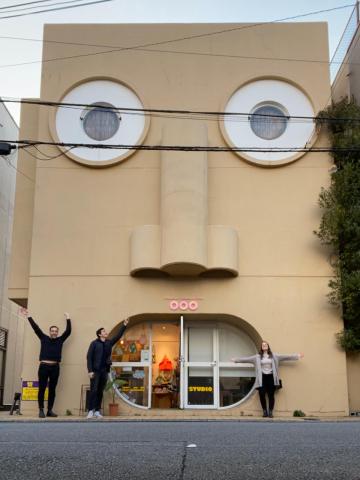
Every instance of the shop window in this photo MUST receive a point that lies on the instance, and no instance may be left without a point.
(200, 344)
(133, 346)
(165, 365)
(134, 384)
(234, 343)
(146, 360)
(234, 385)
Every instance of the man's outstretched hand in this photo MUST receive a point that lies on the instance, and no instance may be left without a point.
(24, 312)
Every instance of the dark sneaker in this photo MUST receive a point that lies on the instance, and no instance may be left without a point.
(271, 414)
(265, 413)
(51, 414)
(41, 413)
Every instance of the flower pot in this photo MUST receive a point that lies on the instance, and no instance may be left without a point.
(113, 409)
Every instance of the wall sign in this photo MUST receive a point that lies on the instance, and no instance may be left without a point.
(145, 355)
(200, 390)
(30, 390)
(183, 305)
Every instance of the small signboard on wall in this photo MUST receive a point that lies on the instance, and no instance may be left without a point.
(30, 390)
(145, 355)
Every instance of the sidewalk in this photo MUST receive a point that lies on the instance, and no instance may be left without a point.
(178, 416)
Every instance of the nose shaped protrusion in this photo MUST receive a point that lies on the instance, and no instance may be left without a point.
(184, 244)
(184, 200)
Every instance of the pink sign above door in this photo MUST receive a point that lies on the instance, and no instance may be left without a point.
(183, 305)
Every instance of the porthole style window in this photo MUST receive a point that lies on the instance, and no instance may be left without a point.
(266, 119)
(100, 122)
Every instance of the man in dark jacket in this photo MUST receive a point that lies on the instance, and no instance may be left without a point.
(98, 364)
(50, 358)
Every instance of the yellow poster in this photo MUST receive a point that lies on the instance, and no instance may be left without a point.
(30, 390)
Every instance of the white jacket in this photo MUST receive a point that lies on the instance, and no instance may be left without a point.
(276, 359)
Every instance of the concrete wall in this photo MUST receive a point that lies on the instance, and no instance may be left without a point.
(9, 318)
(78, 249)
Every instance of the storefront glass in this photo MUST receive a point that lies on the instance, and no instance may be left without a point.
(233, 342)
(153, 373)
(133, 384)
(200, 344)
(133, 346)
(200, 386)
(234, 385)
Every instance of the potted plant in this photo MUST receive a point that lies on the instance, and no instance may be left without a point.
(111, 385)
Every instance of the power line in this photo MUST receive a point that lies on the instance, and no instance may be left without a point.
(202, 113)
(54, 9)
(45, 158)
(25, 3)
(163, 42)
(182, 148)
(176, 52)
(34, 7)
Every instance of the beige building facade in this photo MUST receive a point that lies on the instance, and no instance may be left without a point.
(206, 251)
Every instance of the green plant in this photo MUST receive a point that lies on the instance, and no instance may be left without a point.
(68, 412)
(299, 413)
(340, 224)
(112, 384)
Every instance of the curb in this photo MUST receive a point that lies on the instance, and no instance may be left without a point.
(180, 420)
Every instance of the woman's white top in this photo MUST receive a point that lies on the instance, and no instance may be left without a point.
(276, 357)
(266, 364)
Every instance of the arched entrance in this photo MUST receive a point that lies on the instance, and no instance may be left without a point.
(175, 361)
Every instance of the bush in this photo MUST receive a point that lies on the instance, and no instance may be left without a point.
(299, 413)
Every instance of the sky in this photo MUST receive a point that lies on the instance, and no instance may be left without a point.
(24, 80)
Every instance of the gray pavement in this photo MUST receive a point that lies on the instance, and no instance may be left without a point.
(161, 450)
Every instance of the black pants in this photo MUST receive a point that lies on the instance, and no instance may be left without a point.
(97, 385)
(268, 388)
(48, 373)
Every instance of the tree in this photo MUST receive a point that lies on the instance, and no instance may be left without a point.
(340, 223)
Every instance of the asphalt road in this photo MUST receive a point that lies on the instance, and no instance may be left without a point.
(161, 450)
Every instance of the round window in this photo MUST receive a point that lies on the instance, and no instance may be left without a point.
(269, 131)
(268, 121)
(100, 122)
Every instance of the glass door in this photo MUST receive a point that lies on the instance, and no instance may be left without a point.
(200, 367)
(182, 364)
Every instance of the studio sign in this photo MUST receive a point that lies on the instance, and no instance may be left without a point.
(184, 304)
(200, 389)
